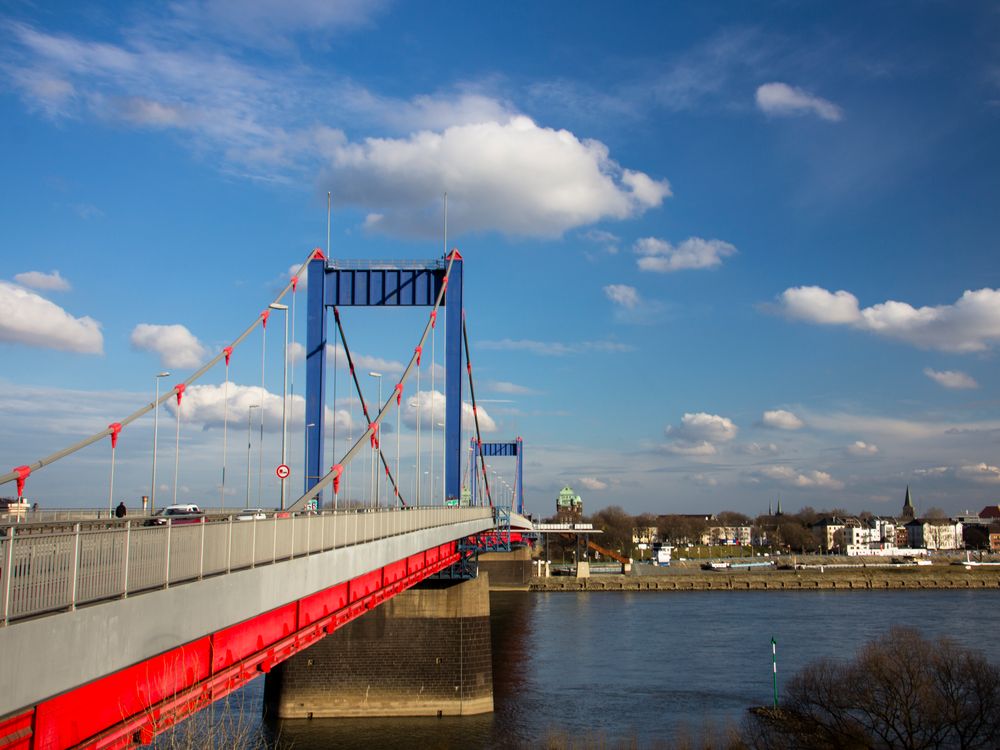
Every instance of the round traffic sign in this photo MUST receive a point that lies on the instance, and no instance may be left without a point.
(282, 471)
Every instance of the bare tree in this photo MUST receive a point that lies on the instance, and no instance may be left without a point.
(903, 691)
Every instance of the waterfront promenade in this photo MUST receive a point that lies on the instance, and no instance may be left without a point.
(811, 579)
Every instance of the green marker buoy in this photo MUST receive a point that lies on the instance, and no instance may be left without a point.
(774, 669)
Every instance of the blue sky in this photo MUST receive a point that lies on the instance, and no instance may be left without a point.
(716, 253)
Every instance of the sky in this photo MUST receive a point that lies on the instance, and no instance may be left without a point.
(716, 254)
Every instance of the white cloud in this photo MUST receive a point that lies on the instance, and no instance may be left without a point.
(760, 449)
(702, 426)
(951, 378)
(816, 305)
(554, 348)
(788, 475)
(607, 240)
(46, 282)
(296, 353)
(981, 472)
(30, 319)
(624, 295)
(780, 419)
(861, 448)
(431, 408)
(971, 324)
(593, 483)
(205, 405)
(693, 253)
(175, 344)
(782, 99)
(512, 176)
(691, 448)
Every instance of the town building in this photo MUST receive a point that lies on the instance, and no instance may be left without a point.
(935, 533)
(569, 505)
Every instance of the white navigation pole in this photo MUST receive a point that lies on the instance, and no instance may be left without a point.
(378, 447)
(250, 409)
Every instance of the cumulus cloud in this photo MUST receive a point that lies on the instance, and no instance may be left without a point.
(175, 344)
(661, 256)
(46, 282)
(30, 319)
(780, 419)
(788, 475)
(513, 176)
(783, 100)
(431, 405)
(623, 295)
(206, 405)
(970, 324)
(861, 448)
(703, 426)
(951, 378)
(593, 483)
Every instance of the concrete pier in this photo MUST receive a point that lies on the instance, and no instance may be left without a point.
(508, 570)
(425, 652)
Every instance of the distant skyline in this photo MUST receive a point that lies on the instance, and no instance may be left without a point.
(715, 253)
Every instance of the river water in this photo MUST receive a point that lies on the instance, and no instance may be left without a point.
(645, 668)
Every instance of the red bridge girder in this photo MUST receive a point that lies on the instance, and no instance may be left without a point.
(135, 704)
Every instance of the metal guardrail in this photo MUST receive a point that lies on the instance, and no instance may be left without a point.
(43, 573)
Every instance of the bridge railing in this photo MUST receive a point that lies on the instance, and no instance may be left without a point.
(44, 573)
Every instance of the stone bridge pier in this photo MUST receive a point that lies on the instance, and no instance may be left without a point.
(425, 652)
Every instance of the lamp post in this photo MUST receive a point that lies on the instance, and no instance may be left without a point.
(156, 427)
(249, 443)
(377, 448)
(284, 397)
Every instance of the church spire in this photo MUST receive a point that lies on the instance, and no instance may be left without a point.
(908, 511)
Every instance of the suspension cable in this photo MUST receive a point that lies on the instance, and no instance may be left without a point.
(364, 404)
(24, 471)
(475, 413)
(334, 474)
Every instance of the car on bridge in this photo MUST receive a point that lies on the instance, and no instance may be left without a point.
(177, 514)
(252, 514)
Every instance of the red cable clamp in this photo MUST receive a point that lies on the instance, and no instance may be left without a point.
(474, 411)
(23, 472)
(419, 350)
(373, 427)
(444, 284)
(115, 428)
(295, 282)
(434, 317)
(180, 392)
(228, 351)
(468, 367)
(399, 393)
(264, 316)
(336, 314)
(337, 470)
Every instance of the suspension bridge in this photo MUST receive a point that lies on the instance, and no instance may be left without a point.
(114, 629)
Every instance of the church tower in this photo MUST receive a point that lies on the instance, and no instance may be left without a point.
(908, 512)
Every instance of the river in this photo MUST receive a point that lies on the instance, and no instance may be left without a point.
(643, 667)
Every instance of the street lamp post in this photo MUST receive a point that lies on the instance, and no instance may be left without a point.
(284, 397)
(249, 443)
(156, 426)
(377, 448)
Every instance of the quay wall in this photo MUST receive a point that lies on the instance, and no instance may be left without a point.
(879, 579)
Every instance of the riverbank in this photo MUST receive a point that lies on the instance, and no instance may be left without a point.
(850, 579)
